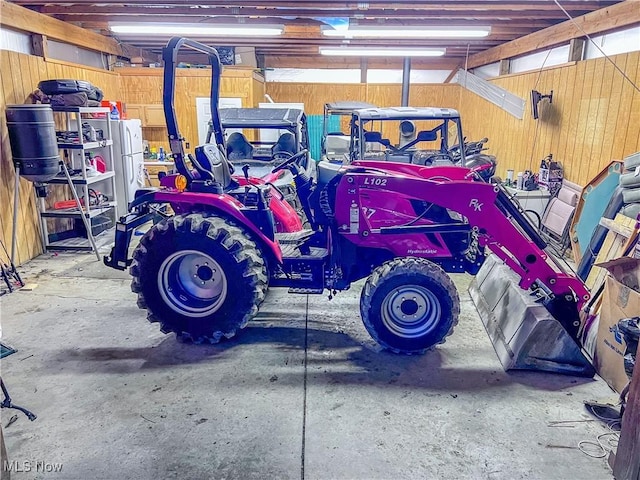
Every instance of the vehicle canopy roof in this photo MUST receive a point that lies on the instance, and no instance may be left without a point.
(346, 107)
(261, 117)
(407, 113)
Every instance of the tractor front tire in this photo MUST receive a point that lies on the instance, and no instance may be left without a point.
(198, 276)
(409, 305)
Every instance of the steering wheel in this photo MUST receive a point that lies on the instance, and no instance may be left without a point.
(289, 161)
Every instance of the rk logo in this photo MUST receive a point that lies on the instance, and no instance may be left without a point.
(477, 206)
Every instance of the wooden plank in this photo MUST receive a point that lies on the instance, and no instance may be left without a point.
(613, 247)
(619, 228)
(505, 66)
(39, 45)
(615, 16)
(576, 49)
(627, 461)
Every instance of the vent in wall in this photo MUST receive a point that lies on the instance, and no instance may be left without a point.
(499, 96)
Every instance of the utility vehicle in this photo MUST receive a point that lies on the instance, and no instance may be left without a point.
(204, 272)
(279, 134)
(335, 143)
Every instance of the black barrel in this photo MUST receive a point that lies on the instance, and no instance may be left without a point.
(32, 134)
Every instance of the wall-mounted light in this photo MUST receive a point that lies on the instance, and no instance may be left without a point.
(407, 32)
(382, 52)
(198, 30)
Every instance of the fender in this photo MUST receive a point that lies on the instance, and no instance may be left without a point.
(182, 202)
(286, 217)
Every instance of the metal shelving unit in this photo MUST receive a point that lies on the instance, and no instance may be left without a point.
(82, 180)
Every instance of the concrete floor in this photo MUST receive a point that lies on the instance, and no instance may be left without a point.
(303, 392)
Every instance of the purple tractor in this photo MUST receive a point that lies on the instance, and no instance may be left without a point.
(203, 272)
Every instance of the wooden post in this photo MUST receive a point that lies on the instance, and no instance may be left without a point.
(363, 69)
(627, 463)
(505, 66)
(39, 45)
(576, 49)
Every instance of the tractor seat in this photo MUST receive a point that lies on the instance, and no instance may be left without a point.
(327, 171)
(211, 164)
(285, 144)
(238, 147)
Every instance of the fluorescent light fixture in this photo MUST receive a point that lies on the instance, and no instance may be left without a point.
(198, 30)
(407, 32)
(383, 52)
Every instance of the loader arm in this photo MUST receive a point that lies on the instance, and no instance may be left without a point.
(500, 226)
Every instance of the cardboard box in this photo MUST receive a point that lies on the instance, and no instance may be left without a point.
(246, 57)
(621, 299)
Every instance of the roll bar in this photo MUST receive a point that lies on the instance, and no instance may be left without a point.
(170, 56)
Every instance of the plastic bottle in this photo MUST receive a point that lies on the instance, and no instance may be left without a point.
(115, 114)
(161, 156)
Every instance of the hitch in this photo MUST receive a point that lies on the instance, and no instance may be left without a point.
(119, 256)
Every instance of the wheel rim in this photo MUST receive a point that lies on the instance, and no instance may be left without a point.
(192, 283)
(411, 311)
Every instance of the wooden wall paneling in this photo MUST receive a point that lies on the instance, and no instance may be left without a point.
(623, 125)
(6, 171)
(572, 169)
(19, 77)
(14, 96)
(144, 86)
(551, 120)
(632, 142)
(258, 90)
(315, 95)
(568, 85)
(27, 197)
(611, 87)
(595, 125)
(553, 117)
(593, 119)
(584, 119)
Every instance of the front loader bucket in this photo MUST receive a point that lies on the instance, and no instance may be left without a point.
(524, 334)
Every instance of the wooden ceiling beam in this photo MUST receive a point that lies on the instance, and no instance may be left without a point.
(419, 17)
(352, 5)
(414, 19)
(20, 18)
(399, 10)
(318, 61)
(616, 16)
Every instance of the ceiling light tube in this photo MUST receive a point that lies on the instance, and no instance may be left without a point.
(383, 52)
(198, 30)
(407, 32)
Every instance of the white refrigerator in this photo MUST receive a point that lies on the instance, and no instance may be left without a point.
(128, 161)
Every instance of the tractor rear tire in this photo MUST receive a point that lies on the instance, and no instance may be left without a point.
(409, 305)
(200, 277)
